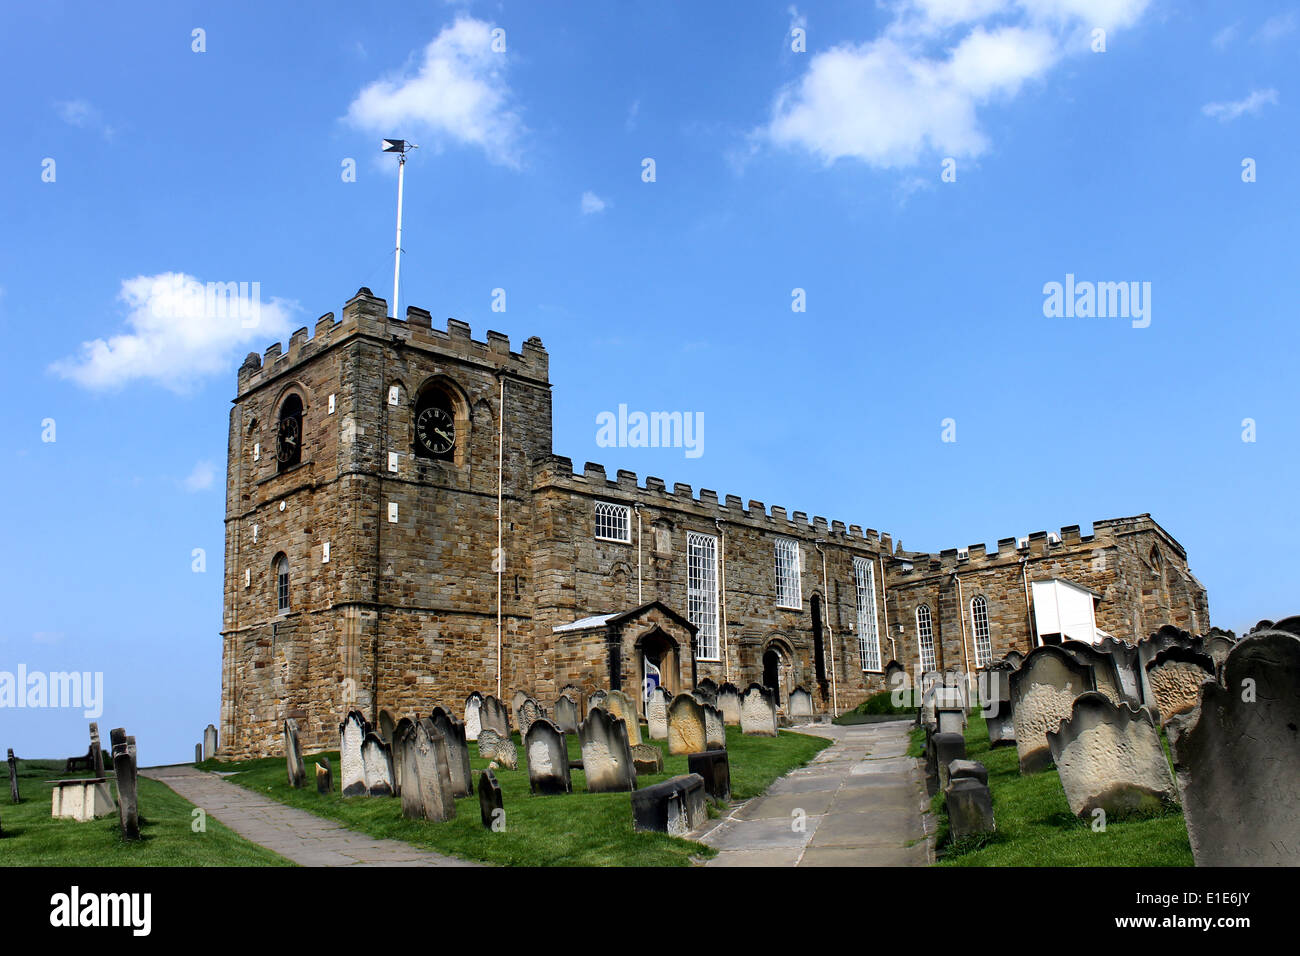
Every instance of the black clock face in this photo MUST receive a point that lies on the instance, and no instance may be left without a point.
(436, 430)
(287, 447)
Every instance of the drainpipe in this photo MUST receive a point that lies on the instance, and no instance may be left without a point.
(637, 509)
(501, 434)
(722, 561)
(965, 650)
(830, 632)
(1029, 614)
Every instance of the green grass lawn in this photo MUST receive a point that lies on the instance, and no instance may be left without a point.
(577, 829)
(32, 838)
(1036, 828)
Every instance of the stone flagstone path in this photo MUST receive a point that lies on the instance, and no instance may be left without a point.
(300, 836)
(864, 801)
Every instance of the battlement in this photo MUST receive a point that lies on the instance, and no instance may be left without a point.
(557, 471)
(1015, 549)
(367, 314)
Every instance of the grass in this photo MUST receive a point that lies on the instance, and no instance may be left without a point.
(875, 708)
(1036, 828)
(577, 829)
(33, 838)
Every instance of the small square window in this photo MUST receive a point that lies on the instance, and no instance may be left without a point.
(613, 522)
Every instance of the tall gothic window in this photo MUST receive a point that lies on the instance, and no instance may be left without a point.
(864, 579)
(979, 617)
(788, 591)
(702, 592)
(288, 435)
(925, 638)
(281, 564)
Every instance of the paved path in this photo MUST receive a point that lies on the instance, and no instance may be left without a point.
(864, 802)
(300, 836)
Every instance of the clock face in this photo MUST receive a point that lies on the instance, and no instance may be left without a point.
(287, 445)
(436, 430)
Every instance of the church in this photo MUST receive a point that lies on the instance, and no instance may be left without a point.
(400, 532)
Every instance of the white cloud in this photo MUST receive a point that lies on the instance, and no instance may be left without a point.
(83, 115)
(1224, 37)
(201, 478)
(1228, 111)
(457, 93)
(591, 203)
(918, 86)
(178, 331)
(1276, 27)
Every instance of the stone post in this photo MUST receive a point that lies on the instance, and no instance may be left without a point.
(13, 778)
(124, 767)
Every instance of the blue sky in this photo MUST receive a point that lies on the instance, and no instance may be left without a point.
(775, 170)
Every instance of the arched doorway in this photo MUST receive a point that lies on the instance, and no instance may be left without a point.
(772, 671)
(657, 663)
(819, 646)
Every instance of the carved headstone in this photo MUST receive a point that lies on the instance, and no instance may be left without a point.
(528, 711)
(472, 704)
(656, 714)
(597, 699)
(548, 758)
(490, 804)
(895, 677)
(401, 731)
(209, 742)
(377, 766)
(566, 714)
(621, 705)
(1109, 756)
(426, 776)
(128, 807)
(706, 692)
(968, 768)
(947, 748)
(1124, 660)
(675, 806)
(647, 759)
(1175, 676)
(1014, 658)
(1104, 673)
(758, 711)
(493, 716)
(386, 726)
(715, 730)
(453, 733)
(686, 733)
(729, 704)
(96, 750)
(997, 706)
(1218, 645)
(516, 702)
(492, 746)
(606, 756)
(1150, 646)
(293, 755)
(352, 732)
(324, 776)
(1238, 758)
(1043, 689)
(801, 703)
(950, 720)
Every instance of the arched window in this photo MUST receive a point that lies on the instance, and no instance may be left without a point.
(979, 618)
(281, 565)
(288, 435)
(925, 639)
(435, 425)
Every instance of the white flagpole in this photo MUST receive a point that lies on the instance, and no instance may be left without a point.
(397, 259)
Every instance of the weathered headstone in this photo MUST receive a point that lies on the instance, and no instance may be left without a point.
(706, 692)
(1109, 756)
(83, 799)
(426, 776)
(293, 755)
(14, 795)
(492, 746)
(895, 677)
(715, 770)
(1149, 647)
(1124, 660)
(1175, 676)
(548, 758)
(528, 711)
(950, 720)
(621, 705)
(758, 711)
(453, 733)
(490, 803)
(96, 750)
(386, 727)
(472, 725)
(686, 725)
(377, 766)
(566, 714)
(675, 806)
(947, 748)
(968, 768)
(606, 756)
(997, 706)
(715, 730)
(970, 808)
(128, 807)
(492, 716)
(401, 732)
(801, 703)
(352, 732)
(1014, 658)
(1218, 645)
(931, 764)
(516, 702)
(1043, 689)
(656, 714)
(198, 753)
(729, 704)
(647, 759)
(1238, 758)
(324, 776)
(209, 742)
(1104, 676)
(597, 699)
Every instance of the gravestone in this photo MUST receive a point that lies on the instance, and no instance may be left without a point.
(453, 733)
(400, 732)
(715, 770)
(1109, 756)
(606, 756)
(574, 693)
(1124, 660)
(386, 726)
(947, 748)
(528, 711)
(675, 806)
(209, 742)
(489, 799)
(14, 795)
(1238, 760)
(647, 759)
(926, 716)
(758, 711)
(426, 776)
(198, 753)
(1218, 645)
(1149, 647)
(970, 808)
(324, 776)
(293, 755)
(621, 705)
(83, 799)
(377, 766)
(492, 746)
(492, 716)
(96, 750)
(950, 720)
(715, 731)
(548, 758)
(968, 768)
(1014, 658)
(1043, 689)
(1104, 674)
(472, 704)
(1175, 676)
(801, 703)
(895, 677)
(128, 807)
(997, 706)
(729, 704)
(566, 714)
(352, 732)
(686, 725)
(516, 702)
(931, 764)
(656, 714)
(706, 692)
(597, 699)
